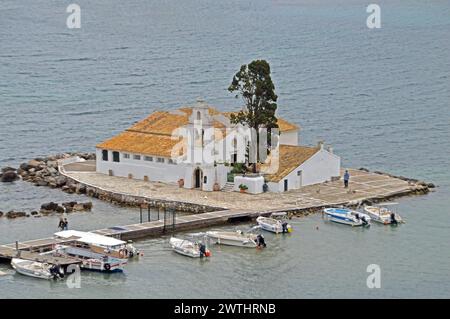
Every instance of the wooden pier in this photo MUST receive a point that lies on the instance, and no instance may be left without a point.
(30, 249)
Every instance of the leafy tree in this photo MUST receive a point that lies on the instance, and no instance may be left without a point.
(254, 85)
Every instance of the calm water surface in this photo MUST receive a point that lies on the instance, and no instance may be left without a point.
(380, 97)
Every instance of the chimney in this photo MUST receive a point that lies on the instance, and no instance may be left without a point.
(320, 145)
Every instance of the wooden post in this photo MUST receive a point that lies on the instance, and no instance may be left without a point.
(140, 214)
(173, 220)
(148, 213)
(158, 212)
(164, 221)
(17, 249)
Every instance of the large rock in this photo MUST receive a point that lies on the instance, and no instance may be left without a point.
(50, 206)
(87, 206)
(8, 169)
(9, 177)
(25, 166)
(13, 214)
(35, 164)
(60, 181)
(41, 182)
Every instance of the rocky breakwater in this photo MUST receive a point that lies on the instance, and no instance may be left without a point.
(43, 171)
(50, 209)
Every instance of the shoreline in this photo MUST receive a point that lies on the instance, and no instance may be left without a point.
(51, 172)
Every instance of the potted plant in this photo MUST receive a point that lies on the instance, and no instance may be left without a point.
(243, 188)
(181, 182)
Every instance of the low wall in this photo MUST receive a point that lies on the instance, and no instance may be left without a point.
(133, 200)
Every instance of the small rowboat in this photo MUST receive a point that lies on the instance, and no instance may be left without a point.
(383, 215)
(236, 238)
(347, 216)
(188, 248)
(274, 225)
(34, 269)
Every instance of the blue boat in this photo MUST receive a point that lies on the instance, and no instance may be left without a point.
(347, 216)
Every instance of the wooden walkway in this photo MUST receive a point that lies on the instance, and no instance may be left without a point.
(30, 249)
(9, 252)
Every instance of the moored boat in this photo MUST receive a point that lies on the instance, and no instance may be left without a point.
(36, 269)
(91, 260)
(100, 244)
(237, 238)
(347, 216)
(188, 248)
(274, 225)
(383, 215)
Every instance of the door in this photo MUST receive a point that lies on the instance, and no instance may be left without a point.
(198, 178)
(300, 178)
(285, 185)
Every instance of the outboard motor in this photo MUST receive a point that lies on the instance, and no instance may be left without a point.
(55, 270)
(284, 227)
(364, 221)
(393, 220)
(202, 249)
(260, 241)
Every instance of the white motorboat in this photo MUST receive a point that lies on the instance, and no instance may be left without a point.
(188, 248)
(35, 269)
(101, 244)
(347, 216)
(91, 260)
(274, 225)
(237, 238)
(383, 215)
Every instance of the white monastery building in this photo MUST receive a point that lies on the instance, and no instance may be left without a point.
(178, 147)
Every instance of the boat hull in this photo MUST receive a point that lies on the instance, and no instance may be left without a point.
(346, 217)
(377, 215)
(17, 264)
(272, 225)
(221, 239)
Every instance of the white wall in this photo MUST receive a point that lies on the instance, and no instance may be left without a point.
(163, 172)
(289, 138)
(254, 184)
(321, 167)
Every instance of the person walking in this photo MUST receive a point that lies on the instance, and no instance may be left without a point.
(66, 224)
(346, 178)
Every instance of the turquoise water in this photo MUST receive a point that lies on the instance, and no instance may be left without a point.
(380, 97)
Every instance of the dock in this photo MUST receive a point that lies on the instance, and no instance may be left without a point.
(212, 208)
(30, 250)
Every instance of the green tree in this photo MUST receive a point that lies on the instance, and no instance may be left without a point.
(254, 85)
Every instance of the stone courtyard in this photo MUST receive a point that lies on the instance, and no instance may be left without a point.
(363, 185)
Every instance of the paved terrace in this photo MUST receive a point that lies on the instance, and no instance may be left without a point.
(363, 185)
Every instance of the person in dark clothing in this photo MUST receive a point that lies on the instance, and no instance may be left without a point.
(346, 179)
(61, 224)
(66, 224)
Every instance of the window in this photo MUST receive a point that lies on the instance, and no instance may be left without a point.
(137, 157)
(126, 156)
(105, 155)
(170, 161)
(116, 157)
(199, 116)
(148, 158)
(160, 160)
(205, 179)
